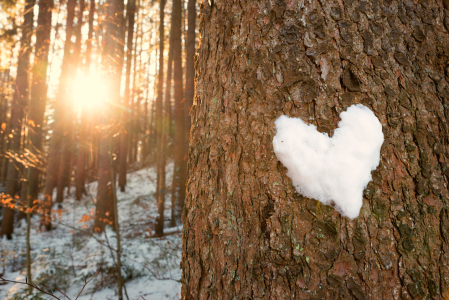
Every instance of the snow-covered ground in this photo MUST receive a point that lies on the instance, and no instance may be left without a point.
(71, 253)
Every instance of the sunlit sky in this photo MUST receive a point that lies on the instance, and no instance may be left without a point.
(92, 84)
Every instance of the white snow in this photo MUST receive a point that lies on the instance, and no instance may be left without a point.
(336, 170)
(67, 255)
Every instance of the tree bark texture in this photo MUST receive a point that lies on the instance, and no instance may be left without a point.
(20, 102)
(38, 97)
(189, 90)
(247, 233)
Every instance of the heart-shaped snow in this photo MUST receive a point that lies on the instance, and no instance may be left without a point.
(332, 170)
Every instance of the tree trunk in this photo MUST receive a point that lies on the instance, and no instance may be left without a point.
(112, 60)
(247, 233)
(66, 159)
(3, 117)
(160, 178)
(65, 167)
(38, 96)
(189, 90)
(135, 96)
(57, 151)
(6, 83)
(167, 108)
(83, 144)
(144, 152)
(179, 171)
(20, 101)
(130, 11)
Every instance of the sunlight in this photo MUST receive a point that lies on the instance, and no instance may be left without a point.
(89, 91)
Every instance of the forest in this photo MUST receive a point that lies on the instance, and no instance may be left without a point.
(91, 127)
(224, 149)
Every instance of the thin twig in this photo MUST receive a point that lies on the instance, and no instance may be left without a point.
(115, 250)
(87, 281)
(57, 289)
(33, 286)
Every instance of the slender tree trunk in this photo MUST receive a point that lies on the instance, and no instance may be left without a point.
(117, 234)
(132, 119)
(130, 11)
(167, 108)
(38, 96)
(57, 152)
(66, 160)
(113, 55)
(83, 135)
(160, 181)
(20, 101)
(90, 35)
(6, 122)
(3, 129)
(144, 151)
(179, 172)
(134, 98)
(28, 243)
(189, 89)
(247, 233)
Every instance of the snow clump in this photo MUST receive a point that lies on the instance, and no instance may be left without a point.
(336, 170)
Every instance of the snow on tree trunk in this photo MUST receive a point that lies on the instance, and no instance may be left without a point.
(247, 233)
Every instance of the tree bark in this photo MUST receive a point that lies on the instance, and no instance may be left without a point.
(20, 102)
(83, 144)
(130, 11)
(6, 83)
(57, 152)
(167, 108)
(38, 97)
(160, 178)
(189, 90)
(247, 233)
(179, 171)
(3, 116)
(66, 160)
(113, 61)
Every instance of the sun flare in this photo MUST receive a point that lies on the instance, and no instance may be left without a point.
(89, 91)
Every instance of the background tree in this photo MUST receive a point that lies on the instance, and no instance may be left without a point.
(247, 233)
(112, 57)
(38, 96)
(179, 178)
(189, 90)
(160, 181)
(57, 152)
(20, 102)
(130, 13)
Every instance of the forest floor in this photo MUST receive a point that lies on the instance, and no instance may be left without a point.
(68, 255)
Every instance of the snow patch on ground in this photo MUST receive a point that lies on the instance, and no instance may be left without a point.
(69, 254)
(336, 170)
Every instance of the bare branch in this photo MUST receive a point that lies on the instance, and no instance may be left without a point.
(86, 282)
(33, 286)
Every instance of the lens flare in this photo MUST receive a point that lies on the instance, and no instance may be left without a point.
(89, 91)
